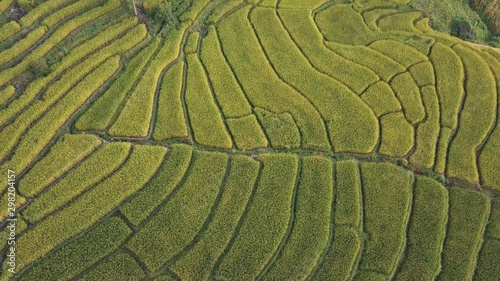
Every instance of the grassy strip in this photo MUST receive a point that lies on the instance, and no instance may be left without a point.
(397, 135)
(381, 64)
(9, 29)
(170, 121)
(41, 10)
(74, 57)
(135, 118)
(260, 83)
(267, 220)
(467, 220)
(480, 104)
(55, 38)
(442, 150)
(343, 24)
(280, 128)
(340, 258)
(77, 217)
(381, 99)
(100, 165)
(247, 133)
(493, 230)
(387, 198)
(6, 94)
(23, 45)
(427, 132)
(139, 207)
(39, 135)
(449, 75)
(348, 197)
(487, 267)
(399, 51)
(177, 223)
(328, 96)
(62, 156)
(206, 120)
(311, 227)
(101, 113)
(68, 11)
(65, 263)
(408, 94)
(198, 262)
(303, 29)
(218, 12)
(423, 74)
(489, 162)
(226, 89)
(426, 232)
(120, 266)
(191, 45)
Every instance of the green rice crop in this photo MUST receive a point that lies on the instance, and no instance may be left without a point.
(409, 95)
(80, 253)
(170, 120)
(62, 156)
(76, 217)
(4, 5)
(311, 227)
(387, 202)
(493, 229)
(176, 224)
(101, 164)
(300, 4)
(280, 129)
(169, 176)
(266, 222)
(331, 98)
(221, 10)
(372, 16)
(41, 10)
(467, 220)
(397, 135)
(191, 45)
(68, 11)
(135, 117)
(442, 150)
(480, 104)
(303, 30)
(23, 45)
(9, 29)
(449, 74)
(400, 22)
(263, 88)
(365, 275)
(348, 196)
(381, 99)
(339, 261)
(198, 262)
(423, 74)
(426, 231)
(428, 131)
(120, 266)
(100, 114)
(206, 120)
(247, 133)
(228, 92)
(382, 65)
(399, 51)
(6, 94)
(487, 267)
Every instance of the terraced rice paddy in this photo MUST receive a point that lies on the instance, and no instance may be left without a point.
(268, 140)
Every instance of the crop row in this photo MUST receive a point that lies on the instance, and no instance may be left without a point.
(77, 217)
(6, 94)
(72, 58)
(55, 38)
(42, 10)
(100, 114)
(68, 11)
(21, 46)
(262, 87)
(135, 117)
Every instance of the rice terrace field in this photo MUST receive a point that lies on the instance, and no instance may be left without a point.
(246, 140)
